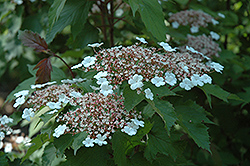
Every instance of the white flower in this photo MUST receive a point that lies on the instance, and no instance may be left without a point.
(221, 15)
(8, 147)
(26, 141)
(88, 61)
(149, 94)
(106, 89)
(100, 140)
(101, 74)
(216, 66)
(88, 142)
(2, 135)
(194, 29)
(101, 81)
(170, 78)
(158, 81)
(196, 80)
(193, 50)
(141, 40)
(167, 47)
(94, 87)
(63, 99)
(130, 131)
(206, 79)
(22, 93)
(215, 22)
(76, 66)
(214, 35)
(119, 12)
(135, 82)
(175, 25)
(186, 84)
(5, 119)
(1, 144)
(75, 94)
(95, 45)
(138, 122)
(19, 2)
(52, 112)
(75, 80)
(28, 113)
(59, 130)
(19, 101)
(42, 85)
(53, 105)
(19, 139)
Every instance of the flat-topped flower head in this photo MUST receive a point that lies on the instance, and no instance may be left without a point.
(141, 40)
(99, 117)
(28, 113)
(59, 131)
(191, 17)
(204, 45)
(88, 61)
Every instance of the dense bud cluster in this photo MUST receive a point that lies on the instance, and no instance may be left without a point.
(204, 44)
(193, 18)
(98, 115)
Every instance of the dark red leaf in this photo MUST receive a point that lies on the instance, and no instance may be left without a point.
(43, 73)
(33, 40)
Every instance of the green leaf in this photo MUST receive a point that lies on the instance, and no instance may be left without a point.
(3, 159)
(131, 98)
(160, 142)
(74, 13)
(63, 142)
(166, 111)
(89, 156)
(77, 143)
(138, 160)
(120, 147)
(152, 16)
(159, 91)
(191, 118)
(182, 2)
(134, 6)
(25, 85)
(55, 11)
(89, 34)
(217, 91)
(57, 74)
(37, 143)
(49, 154)
(148, 111)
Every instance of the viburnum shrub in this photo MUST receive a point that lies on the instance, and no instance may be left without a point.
(124, 105)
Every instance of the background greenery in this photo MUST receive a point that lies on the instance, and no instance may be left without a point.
(68, 29)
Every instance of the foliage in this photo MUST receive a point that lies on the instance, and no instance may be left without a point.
(207, 125)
